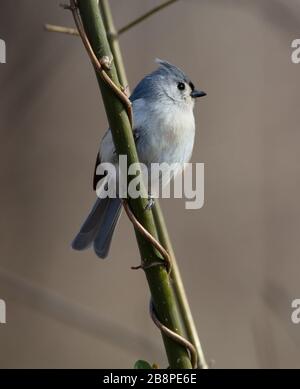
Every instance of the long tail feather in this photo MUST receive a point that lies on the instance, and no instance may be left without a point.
(104, 235)
(99, 227)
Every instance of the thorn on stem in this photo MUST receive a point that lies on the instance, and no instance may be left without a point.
(106, 62)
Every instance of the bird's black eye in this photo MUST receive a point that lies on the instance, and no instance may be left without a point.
(181, 86)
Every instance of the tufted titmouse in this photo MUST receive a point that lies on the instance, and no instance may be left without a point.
(164, 130)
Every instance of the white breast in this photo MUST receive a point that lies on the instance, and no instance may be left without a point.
(166, 135)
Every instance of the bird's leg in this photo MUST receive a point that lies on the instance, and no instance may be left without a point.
(150, 203)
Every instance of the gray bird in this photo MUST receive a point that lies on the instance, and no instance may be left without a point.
(164, 131)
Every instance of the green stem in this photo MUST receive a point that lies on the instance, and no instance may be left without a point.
(182, 301)
(113, 41)
(157, 277)
(177, 283)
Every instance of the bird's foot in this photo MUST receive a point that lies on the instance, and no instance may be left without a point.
(150, 203)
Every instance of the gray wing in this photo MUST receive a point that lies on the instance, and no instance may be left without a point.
(97, 177)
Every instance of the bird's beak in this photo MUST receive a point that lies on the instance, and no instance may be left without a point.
(197, 93)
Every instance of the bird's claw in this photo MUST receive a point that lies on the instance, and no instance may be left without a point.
(150, 203)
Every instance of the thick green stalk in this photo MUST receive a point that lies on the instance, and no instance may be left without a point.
(158, 280)
(177, 283)
(178, 286)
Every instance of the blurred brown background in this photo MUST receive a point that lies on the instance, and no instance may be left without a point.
(239, 255)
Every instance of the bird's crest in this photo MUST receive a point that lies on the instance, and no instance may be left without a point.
(171, 69)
